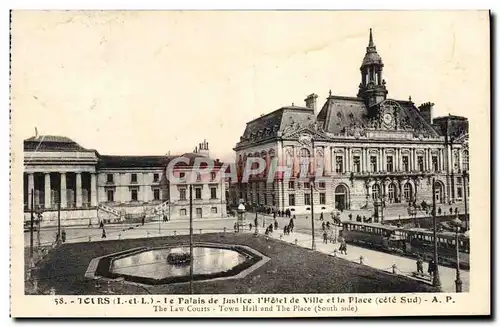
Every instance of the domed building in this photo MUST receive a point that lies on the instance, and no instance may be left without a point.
(356, 151)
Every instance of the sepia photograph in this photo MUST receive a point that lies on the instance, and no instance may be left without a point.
(250, 163)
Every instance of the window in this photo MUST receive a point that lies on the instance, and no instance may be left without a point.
(133, 195)
(291, 185)
(339, 164)
(213, 193)
(199, 212)
(420, 163)
(357, 164)
(109, 178)
(182, 212)
(307, 199)
(307, 185)
(111, 195)
(373, 163)
(390, 163)
(213, 210)
(391, 192)
(133, 178)
(156, 194)
(322, 198)
(198, 177)
(156, 178)
(435, 165)
(465, 160)
(407, 192)
(291, 199)
(182, 194)
(406, 166)
(322, 185)
(375, 191)
(212, 175)
(459, 187)
(198, 193)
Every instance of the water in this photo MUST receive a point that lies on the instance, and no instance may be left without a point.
(153, 263)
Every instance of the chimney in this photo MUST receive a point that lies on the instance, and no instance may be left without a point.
(311, 101)
(426, 111)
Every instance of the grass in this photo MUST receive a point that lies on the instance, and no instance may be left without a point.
(292, 269)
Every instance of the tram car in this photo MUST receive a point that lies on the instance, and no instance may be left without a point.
(376, 236)
(421, 242)
(409, 241)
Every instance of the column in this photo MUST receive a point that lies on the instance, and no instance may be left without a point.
(348, 161)
(441, 160)
(450, 159)
(47, 190)
(93, 190)
(78, 190)
(31, 187)
(363, 159)
(144, 188)
(397, 159)
(384, 166)
(63, 191)
(410, 163)
(460, 160)
(327, 157)
(429, 160)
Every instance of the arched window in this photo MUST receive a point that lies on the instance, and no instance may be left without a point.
(465, 164)
(305, 160)
(407, 192)
(391, 192)
(375, 191)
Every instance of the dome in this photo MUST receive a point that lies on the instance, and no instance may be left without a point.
(372, 58)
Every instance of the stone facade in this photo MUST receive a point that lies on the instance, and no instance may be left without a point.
(369, 148)
(114, 188)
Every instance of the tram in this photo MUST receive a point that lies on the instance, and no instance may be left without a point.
(409, 241)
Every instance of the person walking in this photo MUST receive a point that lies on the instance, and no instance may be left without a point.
(101, 224)
(275, 224)
(103, 233)
(420, 266)
(325, 237)
(432, 268)
(250, 226)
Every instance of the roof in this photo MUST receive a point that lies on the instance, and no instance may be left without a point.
(341, 113)
(280, 120)
(53, 143)
(133, 161)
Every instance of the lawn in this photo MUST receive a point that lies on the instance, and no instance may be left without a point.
(292, 269)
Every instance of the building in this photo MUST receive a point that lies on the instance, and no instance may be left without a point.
(90, 187)
(370, 149)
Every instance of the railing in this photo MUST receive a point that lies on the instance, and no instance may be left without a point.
(392, 173)
(110, 210)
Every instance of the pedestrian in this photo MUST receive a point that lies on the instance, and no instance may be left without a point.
(63, 236)
(328, 225)
(235, 227)
(323, 226)
(143, 219)
(271, 228)
(451, 211)
(101, 224)
(250, 226)
(255, 221)
(325, 237)
(432, 268)
(274, 214)
(420, 266)
(321, 217)
(103, 233)
(275, 224)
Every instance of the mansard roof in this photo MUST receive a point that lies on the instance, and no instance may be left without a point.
(53, 143)
(341, 113)
(268, 126)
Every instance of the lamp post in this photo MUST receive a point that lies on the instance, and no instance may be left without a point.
(241, 217)
(466, 186)
(435, 282)
(458, 282)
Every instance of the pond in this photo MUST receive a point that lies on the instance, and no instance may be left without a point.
(153, 263)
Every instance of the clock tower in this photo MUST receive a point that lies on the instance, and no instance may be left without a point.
(372, 87)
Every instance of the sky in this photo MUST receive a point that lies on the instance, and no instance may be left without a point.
(146, 83)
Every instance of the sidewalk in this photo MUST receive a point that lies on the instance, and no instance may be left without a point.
(375, 259)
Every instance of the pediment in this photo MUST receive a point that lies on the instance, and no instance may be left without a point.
(307, 132)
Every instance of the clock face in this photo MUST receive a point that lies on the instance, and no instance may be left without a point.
(388, 119)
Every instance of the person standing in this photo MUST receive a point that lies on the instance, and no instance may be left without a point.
(420, 266)
(325, 237)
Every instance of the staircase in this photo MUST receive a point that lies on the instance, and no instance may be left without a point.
(110, 210)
